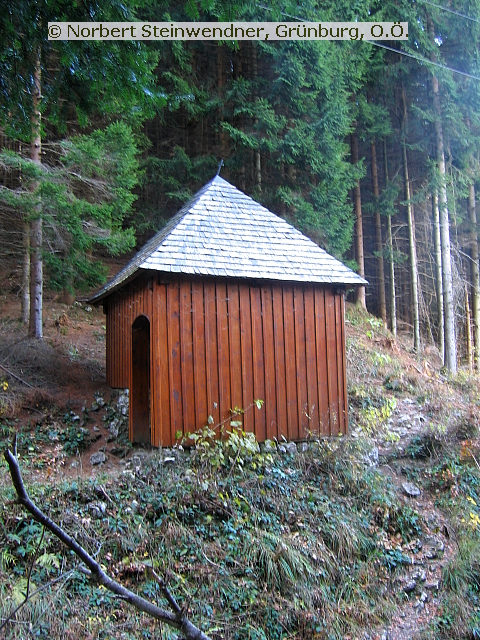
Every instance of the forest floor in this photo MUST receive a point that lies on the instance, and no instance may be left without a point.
(373, 536)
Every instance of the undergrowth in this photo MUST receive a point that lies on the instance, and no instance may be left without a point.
(254, 544)
(453, 476)
(286, 546)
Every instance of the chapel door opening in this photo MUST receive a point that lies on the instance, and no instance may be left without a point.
(140, 383)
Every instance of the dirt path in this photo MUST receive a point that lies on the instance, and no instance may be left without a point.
(434, 548)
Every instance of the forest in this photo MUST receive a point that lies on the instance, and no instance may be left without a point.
(370, 148)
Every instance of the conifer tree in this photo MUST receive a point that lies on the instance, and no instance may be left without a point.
(84, 196)
(52, 81)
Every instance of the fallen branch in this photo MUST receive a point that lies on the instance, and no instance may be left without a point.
(176, 619)
(475, 460)
(10, 373)
(414, 366)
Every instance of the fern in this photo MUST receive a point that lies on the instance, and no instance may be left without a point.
(48, 561)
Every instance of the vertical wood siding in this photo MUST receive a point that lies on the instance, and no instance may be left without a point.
(290, 363)
(122, 308)
(219, 344)
(161, 411)
(135, 299)
(323, 414)
(211, 351)
(174, 362)
(199, 359)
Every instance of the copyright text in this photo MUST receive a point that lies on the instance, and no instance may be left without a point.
(227, 30)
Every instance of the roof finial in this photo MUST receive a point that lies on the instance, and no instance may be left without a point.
(219, 167)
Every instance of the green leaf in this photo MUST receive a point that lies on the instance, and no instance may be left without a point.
(48, 560)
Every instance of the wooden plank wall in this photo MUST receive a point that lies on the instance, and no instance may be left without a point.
(220, 344)
(122, 308)
(134, 300)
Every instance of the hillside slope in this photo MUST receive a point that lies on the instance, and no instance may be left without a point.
(371, 536)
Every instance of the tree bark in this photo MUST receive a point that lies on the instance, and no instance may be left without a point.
(448, 300)
(468, 330)
(472, 211)
(378, 236)
(35, 329)
(257, 171)
(439, 278)
(26, 273)
(223, 146)
(411, 235)
(360, 296)
(391, 263)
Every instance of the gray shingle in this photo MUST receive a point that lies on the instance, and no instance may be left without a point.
(222, 231)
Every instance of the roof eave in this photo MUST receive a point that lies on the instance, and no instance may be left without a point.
(101, 295)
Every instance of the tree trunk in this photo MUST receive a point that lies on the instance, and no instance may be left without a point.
(468, 330)
(439, 278)
(360, 297)
(282, 206)
(26, 273)
(406, 296)
(411, 235)
(235, 62)
(475, 276)
(448, 300)
(257, 171)
(378, 236)
(220, 86)
(35, 329)
(393, 302)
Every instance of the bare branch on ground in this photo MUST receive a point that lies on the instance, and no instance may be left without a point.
(13, 375)
(176, 619)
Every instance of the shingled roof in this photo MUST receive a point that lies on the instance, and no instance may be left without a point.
(223, 232)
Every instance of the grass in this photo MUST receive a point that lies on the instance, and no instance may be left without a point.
(453, 476)
(292, 548)
(259, 545)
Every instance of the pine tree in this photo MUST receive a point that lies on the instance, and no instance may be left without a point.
(278, 114)
(50, 81)
(359, 248)
(84, 197)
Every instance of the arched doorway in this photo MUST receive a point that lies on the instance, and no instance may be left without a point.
(140, 383)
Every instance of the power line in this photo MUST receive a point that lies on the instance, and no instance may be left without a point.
(422, 59)
(456, 13)
(400, 51)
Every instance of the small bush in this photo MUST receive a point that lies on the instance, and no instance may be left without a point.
(424, 446)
